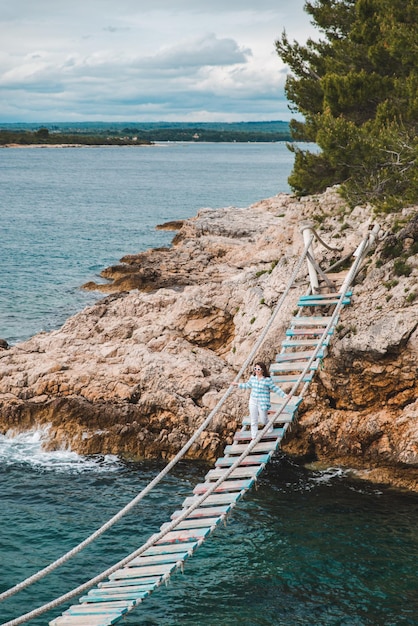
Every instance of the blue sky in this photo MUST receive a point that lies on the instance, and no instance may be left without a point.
(145, 60)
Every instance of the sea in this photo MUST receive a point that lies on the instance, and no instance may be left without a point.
(311, 546)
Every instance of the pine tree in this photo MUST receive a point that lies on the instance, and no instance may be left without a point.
(357, 90)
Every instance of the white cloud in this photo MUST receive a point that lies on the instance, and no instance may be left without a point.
(137, 60)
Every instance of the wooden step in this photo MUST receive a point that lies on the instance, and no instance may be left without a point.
(131, 582)
(111, 595)
(299, 355)
(156, 559)
(218, 498)
(204, 512)
(144, 572)
(250, 471)
(325, 296)
(302, 332)
(292, 378)
(304, 343)
(310, 320)
(76, 620)
(244, 435)
(203, 522)
(312, 302)
(250, 461)
(239, 448)
(180, 536)
(170, 548)
(291, 406)
(105, 608)
(293, 366)
(283, 418)
(228, 485)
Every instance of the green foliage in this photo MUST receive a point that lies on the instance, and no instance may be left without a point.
(357, 89)
(391, 283)
(43, 136)
(401, 267)
(392, 248)
(122, 134)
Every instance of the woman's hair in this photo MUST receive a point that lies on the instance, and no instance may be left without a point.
(264, 369)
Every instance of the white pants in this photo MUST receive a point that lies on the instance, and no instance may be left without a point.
(256, 414)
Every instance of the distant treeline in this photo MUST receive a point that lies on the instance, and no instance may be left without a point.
(44, 137)
(100, 133)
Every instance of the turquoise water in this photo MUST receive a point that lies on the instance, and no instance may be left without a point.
(305, 548)
(311, 548)
(68, 213)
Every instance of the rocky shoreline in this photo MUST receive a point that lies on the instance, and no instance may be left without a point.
(138, 371)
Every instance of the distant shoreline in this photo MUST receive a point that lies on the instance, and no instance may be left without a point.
(74, 145)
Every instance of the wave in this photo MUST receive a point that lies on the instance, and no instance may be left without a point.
(328, 474)
(26, 449)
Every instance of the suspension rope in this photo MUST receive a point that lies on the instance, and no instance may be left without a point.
(63, 559)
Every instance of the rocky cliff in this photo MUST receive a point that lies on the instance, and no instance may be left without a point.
(137, 372)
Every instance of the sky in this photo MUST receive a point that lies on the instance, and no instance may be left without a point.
(146, 60)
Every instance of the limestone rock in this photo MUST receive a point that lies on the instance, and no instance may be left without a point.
(138, 372)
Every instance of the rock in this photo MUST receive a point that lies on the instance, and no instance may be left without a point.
(3, 344)
(173, 225)
(136, 373)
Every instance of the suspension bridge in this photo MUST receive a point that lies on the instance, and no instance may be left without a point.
(111, 595)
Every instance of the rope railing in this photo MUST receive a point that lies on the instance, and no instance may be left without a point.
(64, 558)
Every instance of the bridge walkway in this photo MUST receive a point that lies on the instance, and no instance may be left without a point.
(303, 348)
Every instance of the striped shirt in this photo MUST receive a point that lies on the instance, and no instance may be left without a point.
(260, 390)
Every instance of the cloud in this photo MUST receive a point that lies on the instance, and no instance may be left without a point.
(206, 50)
(133, 60)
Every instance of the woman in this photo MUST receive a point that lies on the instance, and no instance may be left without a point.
(261, 385)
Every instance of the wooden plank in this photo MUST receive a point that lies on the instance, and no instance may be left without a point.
(301, 332)
(227, 485)
(292, 378)
(219, 498)
(144, 572)
(244, 435)
(251, 459)
(296, 343)
(170, 548)
(210, 511)
(310, 320)
(130, 582)
(205, 522)
(239, 448)
(284, 357)
(241, 472)
(113, 609)
(291, 406)
(179, 536)
(116, 588)
(325, 296)
(293, 366)
(280, 419)
(143, 580)
(317, 302)
(155, 559)
(110, 595)
(77, 620)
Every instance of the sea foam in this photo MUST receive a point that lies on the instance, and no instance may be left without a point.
(27, 449)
